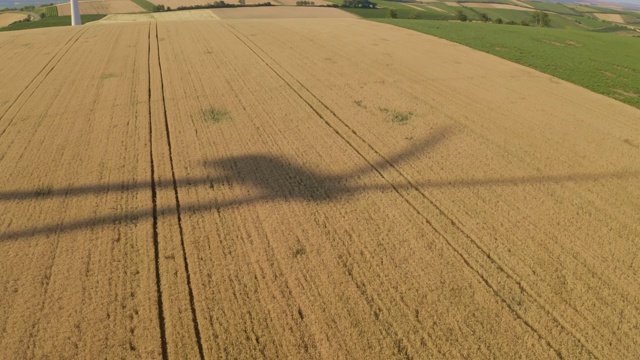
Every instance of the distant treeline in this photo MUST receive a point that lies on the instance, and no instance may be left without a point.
(215, 5)
(25, 8)
(312, 3)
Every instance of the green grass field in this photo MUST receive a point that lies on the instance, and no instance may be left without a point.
(145, 5)
(51, 22)
(604, 63)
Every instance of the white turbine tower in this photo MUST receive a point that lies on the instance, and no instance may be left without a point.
(75, 13)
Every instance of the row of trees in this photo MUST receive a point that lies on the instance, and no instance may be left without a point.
(214, 5)
(538, 18)
(361, 4)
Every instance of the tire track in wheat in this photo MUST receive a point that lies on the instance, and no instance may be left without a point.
(154, 204)
(196, 326)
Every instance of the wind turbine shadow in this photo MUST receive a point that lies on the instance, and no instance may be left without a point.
(271, 179)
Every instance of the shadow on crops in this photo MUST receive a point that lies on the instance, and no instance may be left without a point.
(270, 179)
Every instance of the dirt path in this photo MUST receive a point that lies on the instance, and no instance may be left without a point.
(253, 192)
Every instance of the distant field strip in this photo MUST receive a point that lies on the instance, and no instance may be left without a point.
(254, 192)
(611, 17)
(102, 7)
(497, 6)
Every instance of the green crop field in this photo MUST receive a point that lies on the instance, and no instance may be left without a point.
(392, 4)
(588, 22)
(557, 8)
(51, 22)
(605, 63)
(51, 11)
(441, 6)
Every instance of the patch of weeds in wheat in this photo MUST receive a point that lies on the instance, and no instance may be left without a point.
(397, 117)
(106, 76)
(215, 115)
(300, 251)
(360, 104)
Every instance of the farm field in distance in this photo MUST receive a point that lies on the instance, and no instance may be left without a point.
(601, 62)
(316, 186)
(101, 7)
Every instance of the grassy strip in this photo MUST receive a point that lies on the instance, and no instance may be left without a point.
(604, 63)
(51, 22)
(51, 11)
(150, 7)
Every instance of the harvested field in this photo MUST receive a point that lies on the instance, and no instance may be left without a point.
(7, 19)
(498, 6)
(611, 17)
(101, 7)
(255, 193)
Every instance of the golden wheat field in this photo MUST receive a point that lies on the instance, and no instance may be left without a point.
(190, 186)
(8, 18)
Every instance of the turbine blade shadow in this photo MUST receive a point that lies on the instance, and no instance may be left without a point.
(411, 152)
(132, 216)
